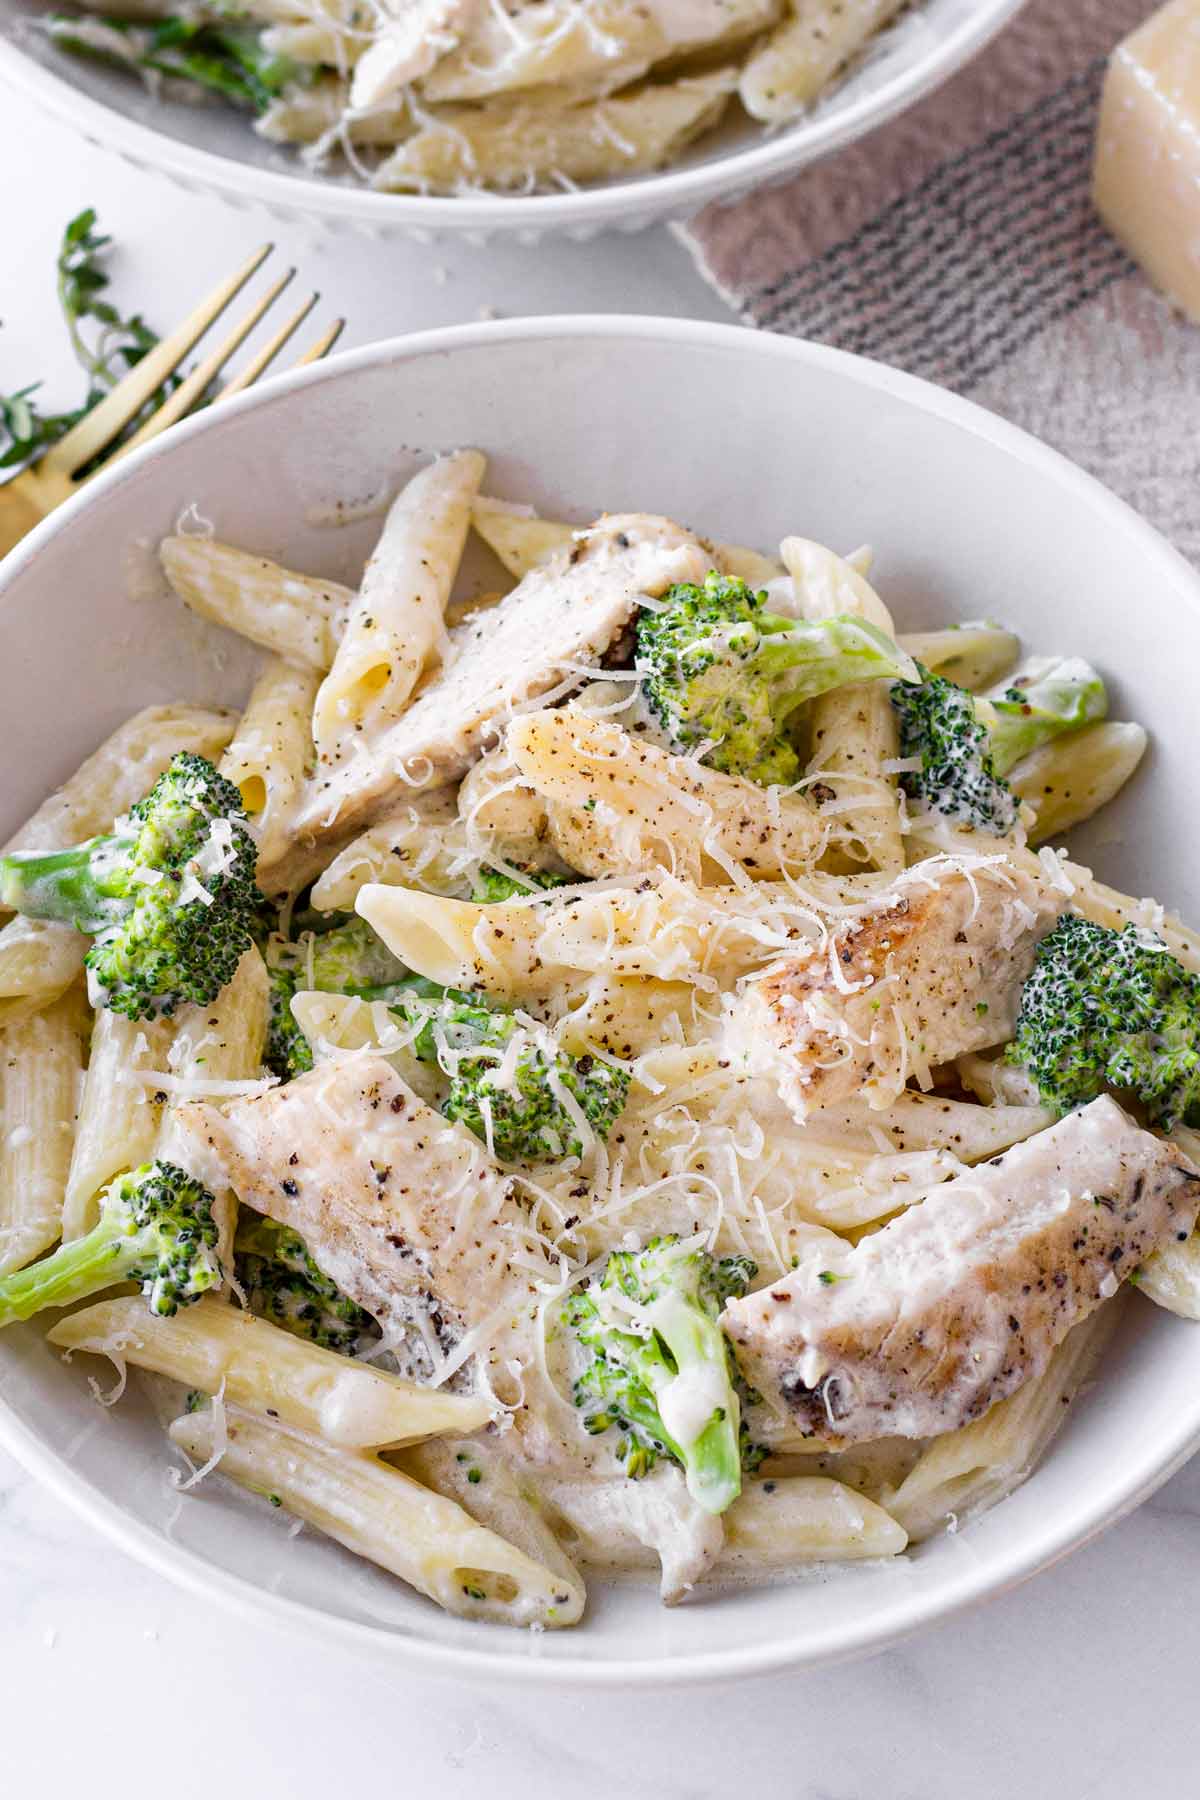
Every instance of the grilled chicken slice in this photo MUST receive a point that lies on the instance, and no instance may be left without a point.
(400, 1207)
(555, 623)
(922, 1326)
(932, 970)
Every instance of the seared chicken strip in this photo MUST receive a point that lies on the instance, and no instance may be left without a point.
(555, 624)
(932, 970)
(923, 1326)
(400, 1207)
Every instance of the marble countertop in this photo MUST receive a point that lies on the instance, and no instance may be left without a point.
(1080, 1685)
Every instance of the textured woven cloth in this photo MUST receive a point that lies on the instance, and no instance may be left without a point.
(960, 243)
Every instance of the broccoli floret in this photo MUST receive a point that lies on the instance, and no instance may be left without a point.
(225, 58)
(155, 1226)
(718, 668)
(283, 1284)
(508, 1083)
(491, 887)
(1110, 1009)
(349, 959)
(967, 743)
(288, 1052)
(168, 895)
(939, 724)
(661, 1371)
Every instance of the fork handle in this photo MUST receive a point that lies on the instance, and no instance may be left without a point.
(18, 515)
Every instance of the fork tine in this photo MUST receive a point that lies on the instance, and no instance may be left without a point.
(91, 434)
(254, 368)
(323, 345)
(193, 386)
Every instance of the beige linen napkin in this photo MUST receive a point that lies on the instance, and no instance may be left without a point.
(959, 242)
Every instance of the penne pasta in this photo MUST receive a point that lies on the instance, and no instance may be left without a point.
(220, 1349)
(271, 755)
(516, 536)
(979, 1464)
(807, 52)
(509, 143)
(298, 617)
(1072, 777)
(1171, 1276)
(214, 1050)
(124, 768)
(551, 42)
(387, 1517)
(620, 804)
(396, 626)
(420, 843)
(795, 1519)
(41, 1062)
(853, 729)
(974, 656)
(318, 111)
(120, 1111)
(39, 960)
(471, 1472)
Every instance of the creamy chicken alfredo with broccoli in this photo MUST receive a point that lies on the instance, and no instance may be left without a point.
(615, 1073)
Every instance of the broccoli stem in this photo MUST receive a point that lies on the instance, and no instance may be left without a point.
(711, 1457)
(76, 1270)
(81, 887)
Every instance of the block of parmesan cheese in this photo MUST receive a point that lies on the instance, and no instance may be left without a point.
(1147, 175)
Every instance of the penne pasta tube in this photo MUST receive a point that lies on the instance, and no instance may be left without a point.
(931, 1122)
(977, 1465)
(418, 844)
(396, 626)
(806, 52)
(1171, 1276)
(387, 1517)
(516, 536)
(308, 114)
(216, 1050)
(802, 1519)
(552, 42)
(620, 804)
(974, 656)
(218, 1348)
(39, 960)
(272, 752)
(298, 617)
(494, 948)
(120, 1112)
(122, 770)
(509, 143)
(472, 1473)
(1072, 777)
(41, 1063)
(746, 565)
(853, 729)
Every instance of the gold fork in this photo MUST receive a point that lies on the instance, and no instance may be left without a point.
(37, 490)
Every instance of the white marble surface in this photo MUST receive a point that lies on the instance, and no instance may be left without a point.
(1080, 1686)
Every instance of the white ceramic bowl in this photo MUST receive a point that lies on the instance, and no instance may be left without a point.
(213, 147)
(748, 437)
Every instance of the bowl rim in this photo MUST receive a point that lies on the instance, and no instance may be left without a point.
(670, 193)
(1133, 1480)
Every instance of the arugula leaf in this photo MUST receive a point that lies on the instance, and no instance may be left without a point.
(225, 58)
(105, 355)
